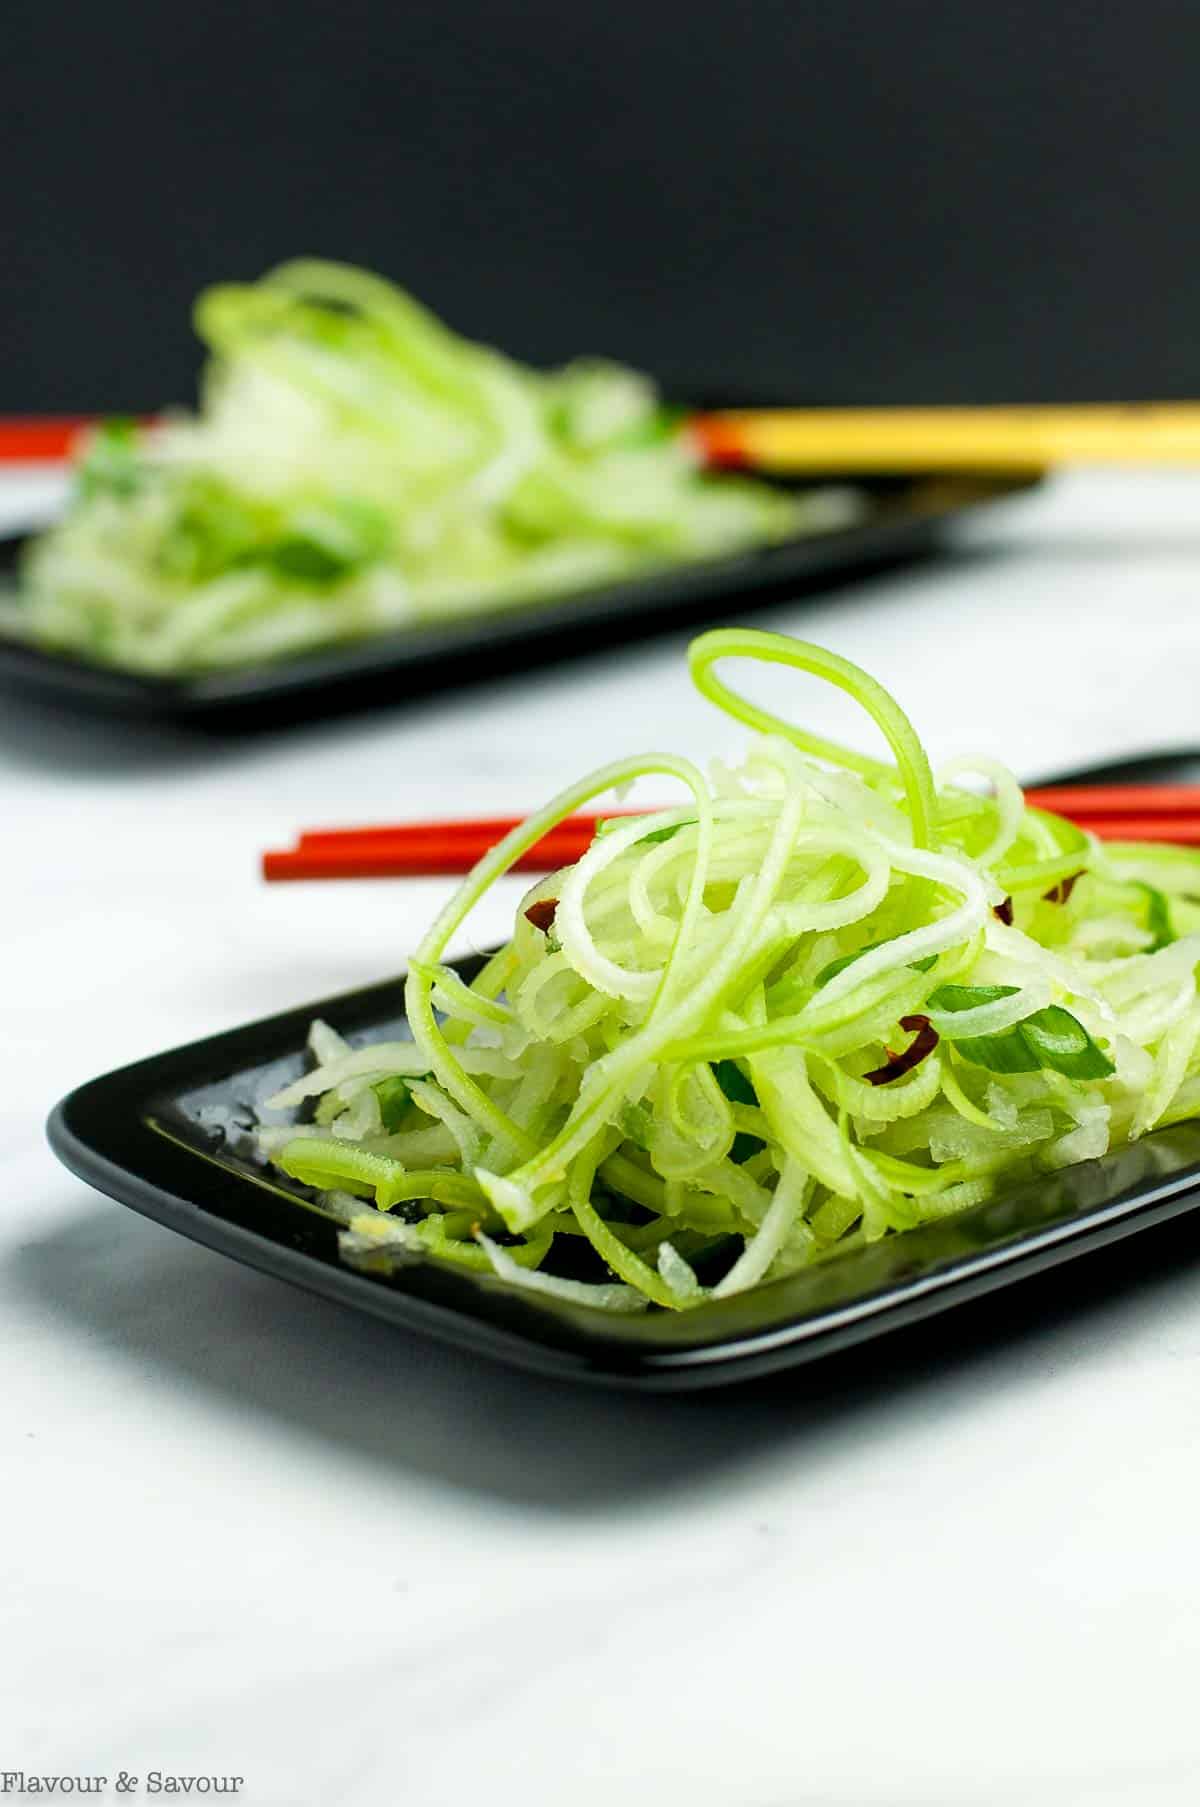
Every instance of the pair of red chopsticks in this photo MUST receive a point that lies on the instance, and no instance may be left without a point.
(1126, 812)
(427, 849)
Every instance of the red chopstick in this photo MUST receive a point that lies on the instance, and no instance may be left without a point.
(1087, 802)
(44, 438)
(40, 439)
(427, 849)
(435, 849)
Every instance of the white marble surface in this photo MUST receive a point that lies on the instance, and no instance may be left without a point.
(246, 1532)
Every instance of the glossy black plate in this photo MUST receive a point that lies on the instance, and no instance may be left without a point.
(169, 1136)
(904, 519)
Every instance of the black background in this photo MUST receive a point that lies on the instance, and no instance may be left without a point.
(847, 201)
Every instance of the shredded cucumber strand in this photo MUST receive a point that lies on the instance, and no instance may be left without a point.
(777, 649)
(752, 1264)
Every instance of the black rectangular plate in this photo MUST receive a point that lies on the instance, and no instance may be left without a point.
(169, 1136)
(904, 519)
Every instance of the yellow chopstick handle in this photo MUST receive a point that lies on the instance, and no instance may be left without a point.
(794, 440)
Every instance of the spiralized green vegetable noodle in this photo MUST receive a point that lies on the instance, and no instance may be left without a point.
(355, 467)
(824, 999)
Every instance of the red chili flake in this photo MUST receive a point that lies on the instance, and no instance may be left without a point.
(1061, 892)
(541, 913)
(1003, 912)
(924, 1041)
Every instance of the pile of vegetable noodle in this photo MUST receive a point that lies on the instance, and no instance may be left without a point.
(823, 999)
(355, 466)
